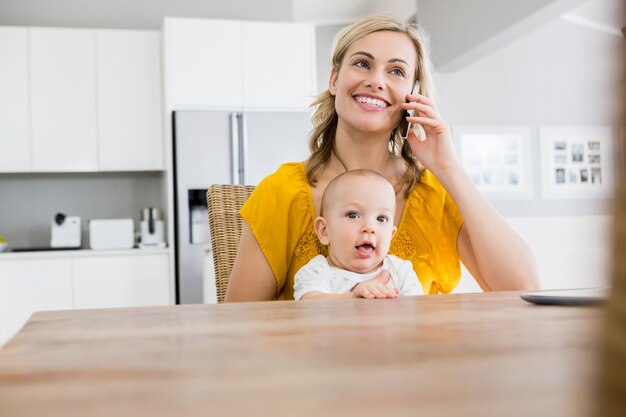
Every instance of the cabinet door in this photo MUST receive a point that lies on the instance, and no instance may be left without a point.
(63, 99)
(14, 140)
(121, 281)
(279, 65)
(32, 285)
(129, 100)
(203, 63)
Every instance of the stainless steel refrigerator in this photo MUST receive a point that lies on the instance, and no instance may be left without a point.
(223, 147)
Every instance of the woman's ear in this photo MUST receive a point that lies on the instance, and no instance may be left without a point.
(332, 82)
(321, 230)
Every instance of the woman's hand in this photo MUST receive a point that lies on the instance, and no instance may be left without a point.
(436, 152)
(376, 287)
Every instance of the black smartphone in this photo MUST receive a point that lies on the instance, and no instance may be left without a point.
(406, 125)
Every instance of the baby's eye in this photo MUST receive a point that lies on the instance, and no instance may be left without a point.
(382, 219)
(352, 215)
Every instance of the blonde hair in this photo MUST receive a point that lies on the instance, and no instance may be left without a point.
(322, 140)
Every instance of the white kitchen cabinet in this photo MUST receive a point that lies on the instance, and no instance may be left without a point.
(203, 62)
(39, 281)
(121, 281)
(278, 65)
(29, 286)
(239, 64)
(14, 119)
(129, 100)
(63, 99)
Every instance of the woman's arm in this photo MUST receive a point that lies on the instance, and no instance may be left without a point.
(497, 257)
(494, 254)
(252, 278)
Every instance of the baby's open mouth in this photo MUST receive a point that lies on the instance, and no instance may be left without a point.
(365, 248)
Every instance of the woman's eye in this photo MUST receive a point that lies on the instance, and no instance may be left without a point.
(361, 64)
(398, 71)
(382, 219)
(352, 215)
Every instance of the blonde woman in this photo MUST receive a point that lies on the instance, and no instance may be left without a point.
(441, 217)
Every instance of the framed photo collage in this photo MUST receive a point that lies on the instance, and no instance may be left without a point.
(573, 162)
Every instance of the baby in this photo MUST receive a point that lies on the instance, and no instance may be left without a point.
(356, 223)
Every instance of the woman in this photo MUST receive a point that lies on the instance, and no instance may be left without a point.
(440, 215)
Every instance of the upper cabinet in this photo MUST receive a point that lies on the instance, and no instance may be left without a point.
(278, 65)
(63, 99)
(129, 100)
(238, 64)
(80, 100)
(14, 119)
(203, 63)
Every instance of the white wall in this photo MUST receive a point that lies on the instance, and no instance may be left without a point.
(571, 251)
(560, 74)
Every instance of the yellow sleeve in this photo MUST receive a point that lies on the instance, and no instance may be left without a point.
(278, 212)
(433, 222)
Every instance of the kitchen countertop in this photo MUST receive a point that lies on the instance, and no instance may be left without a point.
(58, 253)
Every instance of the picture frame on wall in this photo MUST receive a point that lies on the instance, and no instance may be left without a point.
(497, 159)
(576, 162)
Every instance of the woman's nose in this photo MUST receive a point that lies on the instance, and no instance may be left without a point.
(376, 80)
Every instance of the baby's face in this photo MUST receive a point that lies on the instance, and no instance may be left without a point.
(360, 223)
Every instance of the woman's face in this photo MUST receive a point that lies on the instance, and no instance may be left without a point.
(373, 80)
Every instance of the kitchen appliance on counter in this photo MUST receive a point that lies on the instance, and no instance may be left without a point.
(152, 228)
(65, 231)
(111, 234)
(223, 147)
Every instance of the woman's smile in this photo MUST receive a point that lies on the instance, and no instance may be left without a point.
(371, 102)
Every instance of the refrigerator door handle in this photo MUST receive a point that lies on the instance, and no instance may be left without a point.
(234, 148)
(243, 148)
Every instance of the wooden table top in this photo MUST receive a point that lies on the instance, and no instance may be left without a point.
(444, 355)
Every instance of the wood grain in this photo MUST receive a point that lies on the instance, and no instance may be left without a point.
(447, 355)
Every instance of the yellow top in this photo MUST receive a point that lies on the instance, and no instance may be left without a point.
(280, 213)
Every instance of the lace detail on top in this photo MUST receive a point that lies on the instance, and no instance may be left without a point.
(403, 246)
(309, 246)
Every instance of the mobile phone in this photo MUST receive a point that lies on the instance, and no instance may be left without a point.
(406, 125)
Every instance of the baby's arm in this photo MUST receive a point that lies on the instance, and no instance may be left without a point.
(376, 287)
(317, 295)
(372, 288)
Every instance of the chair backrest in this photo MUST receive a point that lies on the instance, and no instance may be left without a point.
(224, 202)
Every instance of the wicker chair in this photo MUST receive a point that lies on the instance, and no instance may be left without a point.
(224, 202)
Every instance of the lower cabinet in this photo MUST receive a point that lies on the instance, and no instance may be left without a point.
(29, 286)
(60, 283)
(121, 281)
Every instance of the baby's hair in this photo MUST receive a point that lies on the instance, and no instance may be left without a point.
(342, 177)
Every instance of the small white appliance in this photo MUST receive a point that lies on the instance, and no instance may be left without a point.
(152, 229)
(111, 234)
(65, 231)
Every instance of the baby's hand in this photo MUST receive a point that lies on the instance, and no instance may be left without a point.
(376, 287)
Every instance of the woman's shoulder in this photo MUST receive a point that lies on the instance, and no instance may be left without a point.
(288, 178)
(284, 191)
(429, 200)
(427, 190)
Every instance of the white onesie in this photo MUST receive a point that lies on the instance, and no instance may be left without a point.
(318, 275)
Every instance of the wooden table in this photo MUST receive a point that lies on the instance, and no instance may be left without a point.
(446, 355)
